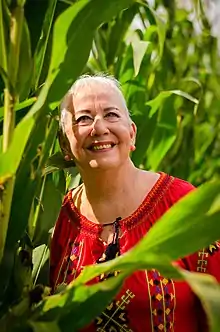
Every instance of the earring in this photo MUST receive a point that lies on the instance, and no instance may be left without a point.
(67, 157)
(132, 147)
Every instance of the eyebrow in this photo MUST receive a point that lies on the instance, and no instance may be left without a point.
(106, 109)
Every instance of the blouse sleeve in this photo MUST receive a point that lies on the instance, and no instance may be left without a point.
(206, 260)
(65, 231)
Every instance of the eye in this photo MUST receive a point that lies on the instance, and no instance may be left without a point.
(112, 115)
(84, 120)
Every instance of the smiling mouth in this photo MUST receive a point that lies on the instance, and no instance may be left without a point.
(99, 147)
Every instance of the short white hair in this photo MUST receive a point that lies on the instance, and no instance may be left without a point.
(84, 81)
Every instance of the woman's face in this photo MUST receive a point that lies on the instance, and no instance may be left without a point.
(100, 131)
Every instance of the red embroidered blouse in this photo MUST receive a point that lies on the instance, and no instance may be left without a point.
(147, 300)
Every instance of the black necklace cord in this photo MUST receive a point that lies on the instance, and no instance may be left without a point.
(112, 249)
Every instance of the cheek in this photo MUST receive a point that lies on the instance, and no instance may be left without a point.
(124, 133)
(78, 137)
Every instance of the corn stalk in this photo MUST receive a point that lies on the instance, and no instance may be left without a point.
(10, 98)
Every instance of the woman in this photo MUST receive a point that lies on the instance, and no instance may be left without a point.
(113, 209)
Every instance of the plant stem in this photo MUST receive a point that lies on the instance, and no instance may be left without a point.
(5, 208)
(9, 119)
(7, 187)
(3, 50)
(17, 18)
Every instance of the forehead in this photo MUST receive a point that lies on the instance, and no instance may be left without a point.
(97, 94)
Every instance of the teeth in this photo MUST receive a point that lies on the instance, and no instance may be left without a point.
(101, 147)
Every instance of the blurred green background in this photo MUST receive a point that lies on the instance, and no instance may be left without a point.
(165, 55)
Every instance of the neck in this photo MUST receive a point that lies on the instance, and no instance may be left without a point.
(107, 185)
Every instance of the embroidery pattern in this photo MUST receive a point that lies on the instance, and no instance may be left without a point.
(114, 318)
(162, 301)
(145, 209)
(74, 260)
(202, 261)
(213, 248)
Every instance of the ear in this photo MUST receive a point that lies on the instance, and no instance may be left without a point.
(64, 145)
(133, 132)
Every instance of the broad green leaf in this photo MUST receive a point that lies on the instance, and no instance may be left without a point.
(192, 218)
(20, 106)
(208, 292)
(68, 306)
(100, 54)
(189, 219)
(29, 177)
(118, 32)
(42, 45)
(139, 50)
(91, 15)
(3, 49)
(40, 257)
(10, 160)
(156, 102)
(77, 297)
(145, 130)
(25, 68)
(57, 160)
(46, 215)
(161, 28)
(204, 135)
(44, 326)
(164, 134)
(49, 141)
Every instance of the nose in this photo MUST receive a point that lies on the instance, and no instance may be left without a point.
(99, 127)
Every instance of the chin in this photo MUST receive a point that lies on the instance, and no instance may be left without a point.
(104, 165)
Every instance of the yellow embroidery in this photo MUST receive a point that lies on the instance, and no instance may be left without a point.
(162, 301)
(114, 318)
(214, 247)
(202, 261)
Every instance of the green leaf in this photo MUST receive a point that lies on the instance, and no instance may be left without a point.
(44, 326)
(25, 68)
(139, 50)
(20, 106)
(204, 135)
(208, 291)
(3, 50)
(42, 45)
(164, 135)
(145, 130)
(91, 15)
(161, 28)
(117, 34)
(10, 160)
(57, 160)
(156, 102)
(192, 218)
(40, 257)
(47, 216)
(68, 306)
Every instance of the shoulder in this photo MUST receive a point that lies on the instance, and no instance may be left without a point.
(68, 217)
(178, 188)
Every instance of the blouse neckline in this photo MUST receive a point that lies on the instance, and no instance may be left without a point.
(146, 208)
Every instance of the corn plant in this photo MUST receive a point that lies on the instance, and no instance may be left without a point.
(37, 67)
